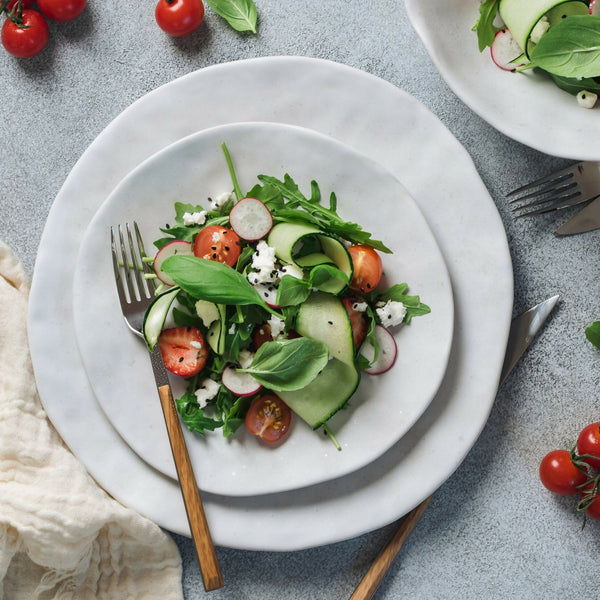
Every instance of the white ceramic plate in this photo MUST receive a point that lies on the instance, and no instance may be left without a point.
(439, 175)
(527, 107)
(382, 409)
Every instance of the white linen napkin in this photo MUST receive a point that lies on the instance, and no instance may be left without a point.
(61, 535)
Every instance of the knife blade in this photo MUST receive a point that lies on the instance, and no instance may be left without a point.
(523, 329)
(587, 219)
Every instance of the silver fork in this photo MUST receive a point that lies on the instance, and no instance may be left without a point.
(135, 295)
(568, 187)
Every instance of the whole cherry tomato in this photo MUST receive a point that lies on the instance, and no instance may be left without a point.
(29, 38)
(219, 244)
(61, 10)
(592, 502)
(25, 3)
(559, 474)
(366, 263)
(269, 418)
(179, 17)
(588, 442)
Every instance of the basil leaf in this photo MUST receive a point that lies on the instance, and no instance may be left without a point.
(592, 333)
(240, 14)
(292, 291)
(571, 48)
(211, 280)
(288, 364)
(485, 28)
(574, 85)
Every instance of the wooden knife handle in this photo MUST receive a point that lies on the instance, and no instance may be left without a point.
(370, 582)
(209, 565)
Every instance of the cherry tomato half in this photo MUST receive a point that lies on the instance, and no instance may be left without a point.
(269, 418)
(588, 442)
(218, 244)
(61, 10)
(179, 17)
(593, 502)
(366, 263)
(28, 40)
(559, 475)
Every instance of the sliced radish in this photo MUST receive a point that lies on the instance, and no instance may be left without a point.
(251, 219)
(595, 8)
(504, 50)
(268, 292)
(387, 351)
(174, 248)
(240, 384)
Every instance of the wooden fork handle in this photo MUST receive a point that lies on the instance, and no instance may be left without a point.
(209, 565)
(370, 582)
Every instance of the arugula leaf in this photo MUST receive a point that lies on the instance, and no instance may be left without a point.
(240, 14)
(288, 364)
(592, 333)
(571, 48)
(485, 28)
(193, 416)
(573, 85)
(397, 293)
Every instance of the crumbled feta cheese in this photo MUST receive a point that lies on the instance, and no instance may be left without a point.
(541, 27)
(195, 344)
(221, 200)
(232, 329)
(206, 391)
(263, 263)
(245, 358)
(360, 306)
(587, 99)
(216, 236)
(277, 326)
(292, 270)
(391, 313)
(196, 218)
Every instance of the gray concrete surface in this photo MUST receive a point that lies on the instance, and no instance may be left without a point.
(491, 531)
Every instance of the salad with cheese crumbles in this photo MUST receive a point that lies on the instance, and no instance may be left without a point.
(276, 308)
(559, 37)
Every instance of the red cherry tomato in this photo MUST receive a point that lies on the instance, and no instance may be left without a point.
(28, 40)
(357, 321)
(61, 10)
(219, 244)
(588, 442)
(25, 3)
(559, 474)
(269, 418)
(367, 268)
(179, 17)
(592, 501)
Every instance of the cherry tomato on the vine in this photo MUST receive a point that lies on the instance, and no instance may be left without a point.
(179, 17)
(588, 442)
(366, 263)
(592, 502)
(25, 3)
(28, 39)
(61, 10)
(559, 474)
(219, 244)
(269, 418)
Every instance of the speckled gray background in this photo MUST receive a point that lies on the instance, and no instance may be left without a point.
(491, 531)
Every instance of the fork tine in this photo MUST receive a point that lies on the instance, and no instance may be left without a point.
(567, 202)
(551, 201)
(556, 176)
(140, 242)
(122, 289)
(548, 191)
(132, 287)
(136, 266)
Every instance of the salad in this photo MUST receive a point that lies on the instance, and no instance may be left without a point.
(560, 37)
(277, 308)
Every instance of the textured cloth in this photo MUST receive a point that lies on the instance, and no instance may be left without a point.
(61, 536)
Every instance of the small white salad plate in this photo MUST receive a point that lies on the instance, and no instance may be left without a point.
(527, 107)
(384, 406)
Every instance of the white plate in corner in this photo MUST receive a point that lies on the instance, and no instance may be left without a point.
(527, 107)
(384, 407)
(439, 174)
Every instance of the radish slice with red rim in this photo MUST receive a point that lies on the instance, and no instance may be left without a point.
(251, 219)
(174, 248)
(595, 8)
(504, 50)
(240, 384)
(387, 351)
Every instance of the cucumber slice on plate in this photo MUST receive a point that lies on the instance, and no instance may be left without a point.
(323, 317)
(522, 16)
(155, 316)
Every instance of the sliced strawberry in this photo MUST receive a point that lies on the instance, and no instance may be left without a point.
(183, 350)
(357, 321)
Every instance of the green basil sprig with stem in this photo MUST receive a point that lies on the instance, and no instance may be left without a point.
(240, 14)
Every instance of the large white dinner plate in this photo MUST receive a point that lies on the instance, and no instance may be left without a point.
(194, 169)
(527, 107)
(387, 125)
